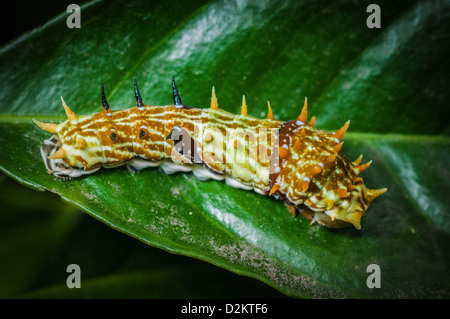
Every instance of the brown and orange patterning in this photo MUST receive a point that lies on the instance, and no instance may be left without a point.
(291, 161)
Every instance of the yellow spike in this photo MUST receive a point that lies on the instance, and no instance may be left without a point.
(331, 158)
(358, 160)
(303, 117)
(316, 170)
(269, 113)
(81, 143)
(283, 152)
(305, 186)
(61, 153)
(313, 121)
(70, 115)
(244, 106)
(274, 189)
(339, 134)
(338, 147)
(357, 179)
(374, 193)
(214, 104)
(363, 167)
(329, 203)
(49, 127)
(302, 131)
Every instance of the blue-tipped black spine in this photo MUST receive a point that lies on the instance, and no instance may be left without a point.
(104, 101)
(139, 102)
(176, 95)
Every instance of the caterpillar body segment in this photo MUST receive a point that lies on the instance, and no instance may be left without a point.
(290, 161)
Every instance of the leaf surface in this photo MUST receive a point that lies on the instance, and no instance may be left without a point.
(390, 82)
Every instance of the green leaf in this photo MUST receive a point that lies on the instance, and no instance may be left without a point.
(390, 82)
(41, 236)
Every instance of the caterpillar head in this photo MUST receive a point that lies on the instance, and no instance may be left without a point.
(81, 145)
(78, 145)
(309, 170)
(68, 154)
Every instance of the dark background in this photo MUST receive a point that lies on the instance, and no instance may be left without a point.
(19, 17)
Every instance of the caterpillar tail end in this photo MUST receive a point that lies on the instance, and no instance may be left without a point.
(345, 213)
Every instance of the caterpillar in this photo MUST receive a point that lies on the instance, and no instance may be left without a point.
(291, 161)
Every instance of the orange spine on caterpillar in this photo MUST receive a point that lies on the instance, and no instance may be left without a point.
(290, 161)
